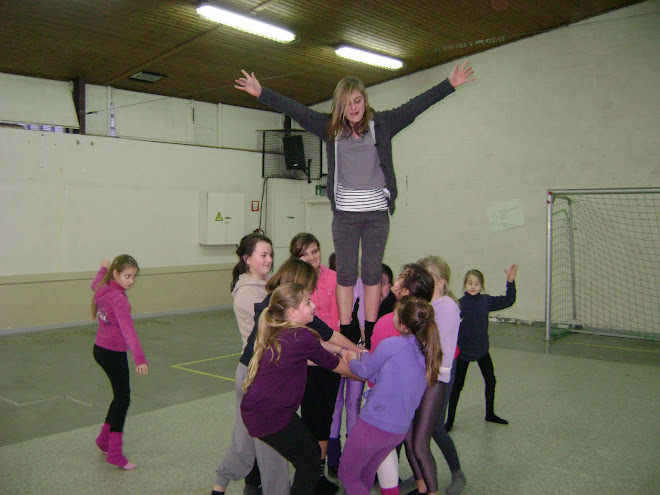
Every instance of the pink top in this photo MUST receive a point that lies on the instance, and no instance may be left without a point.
(383, 329)
(116, 331)
(325, 299)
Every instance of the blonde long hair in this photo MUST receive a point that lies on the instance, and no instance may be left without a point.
(272, 322)
(440, 270)
(418, 316)
(120, 263)
(338, 126)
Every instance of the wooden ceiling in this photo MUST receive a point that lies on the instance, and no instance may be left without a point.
(103, 42)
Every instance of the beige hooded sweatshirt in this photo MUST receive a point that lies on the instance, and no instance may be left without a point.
(248, 290)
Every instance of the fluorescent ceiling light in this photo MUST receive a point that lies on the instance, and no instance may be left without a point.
(368, 58)
(245, 23)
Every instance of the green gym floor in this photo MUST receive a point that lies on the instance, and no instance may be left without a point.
(584, 413)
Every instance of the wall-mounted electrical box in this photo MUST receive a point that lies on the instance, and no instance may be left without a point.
(221, 218)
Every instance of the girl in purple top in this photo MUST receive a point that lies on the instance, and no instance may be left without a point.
(276, 377)
(400, 368)
(429, 419)
(115, 335)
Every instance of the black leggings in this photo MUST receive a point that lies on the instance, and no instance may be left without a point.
(296, 444)
(115, 365)
(318, 404)
(440, 435)
(488, 372)
(418, 439)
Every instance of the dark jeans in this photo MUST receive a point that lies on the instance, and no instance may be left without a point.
(115, 365)
(296, 444)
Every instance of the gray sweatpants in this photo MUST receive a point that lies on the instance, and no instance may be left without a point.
(239, 456)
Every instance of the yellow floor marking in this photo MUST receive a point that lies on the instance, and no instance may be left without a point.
(182, 366)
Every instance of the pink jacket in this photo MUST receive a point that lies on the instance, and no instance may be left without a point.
(116, 331)
(324, 298)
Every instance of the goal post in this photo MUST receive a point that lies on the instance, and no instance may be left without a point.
(603, 262)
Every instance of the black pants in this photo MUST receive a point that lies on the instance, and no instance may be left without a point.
(440, 435)
(488, 372)
(115, 365)
(296, 444)
(318, 404)
(418, 439)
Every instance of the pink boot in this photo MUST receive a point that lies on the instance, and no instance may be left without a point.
(104, 438)
(115, 455)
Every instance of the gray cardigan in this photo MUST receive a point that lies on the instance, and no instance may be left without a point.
(386, 125)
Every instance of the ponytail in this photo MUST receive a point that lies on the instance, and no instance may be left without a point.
(418, 316)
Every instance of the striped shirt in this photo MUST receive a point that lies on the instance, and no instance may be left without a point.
(361, 199)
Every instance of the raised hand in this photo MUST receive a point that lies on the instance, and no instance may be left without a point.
(105, 263)
(249, 84)
(511, 273)
(460, 75)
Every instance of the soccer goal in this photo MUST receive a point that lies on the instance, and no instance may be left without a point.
(603, 262)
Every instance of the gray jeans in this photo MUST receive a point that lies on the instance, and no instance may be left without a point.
(239, 456)
(349, 230)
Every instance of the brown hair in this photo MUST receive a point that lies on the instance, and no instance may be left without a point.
(338, 126)
(120, 263)
(294, 270)
(418, 281)
(418, 316)
(477, 274)
(272, 322)
(301, 242)
(246, 248)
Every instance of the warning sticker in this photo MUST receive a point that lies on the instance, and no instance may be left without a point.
(218, 217)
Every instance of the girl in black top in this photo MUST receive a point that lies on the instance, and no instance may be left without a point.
(473, 338)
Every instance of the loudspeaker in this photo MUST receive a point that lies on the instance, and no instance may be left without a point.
(294, 152)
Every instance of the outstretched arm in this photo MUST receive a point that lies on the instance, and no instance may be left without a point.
(249, 84)
(461, 75)
(495, 303)
(310, 120)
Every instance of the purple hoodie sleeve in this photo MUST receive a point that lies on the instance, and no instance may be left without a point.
(123, 315)
(99, 275)
(447, 317)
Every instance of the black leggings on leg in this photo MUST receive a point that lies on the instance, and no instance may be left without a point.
(440, 435)
(418, 439)
(115, 365)
(296, 444)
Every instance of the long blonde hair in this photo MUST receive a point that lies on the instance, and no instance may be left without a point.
(120, 263)
(272, 322)
(440, 270)
(338, 126)
(418, 316)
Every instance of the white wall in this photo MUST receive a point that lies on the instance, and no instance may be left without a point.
(66, 201)
(578, 107)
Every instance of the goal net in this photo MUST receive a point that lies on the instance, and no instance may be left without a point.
(603, 255)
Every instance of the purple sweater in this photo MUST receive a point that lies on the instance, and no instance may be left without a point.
(448, 319)
(398, 369)
(277, 390)
(116, 331)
